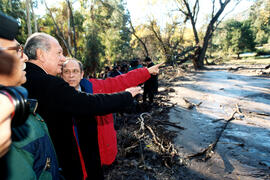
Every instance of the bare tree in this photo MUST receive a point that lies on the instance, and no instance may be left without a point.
(146, 52)
(192, 15)
(169, 45)
(164, 46)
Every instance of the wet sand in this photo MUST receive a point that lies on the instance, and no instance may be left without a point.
(243, 150)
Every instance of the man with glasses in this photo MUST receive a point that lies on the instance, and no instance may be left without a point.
(98, 138)
(59, 103)
(14, 48)
(31, 154)
(10, 74)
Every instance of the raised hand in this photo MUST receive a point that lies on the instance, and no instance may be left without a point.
(154, 70)
(134, 90)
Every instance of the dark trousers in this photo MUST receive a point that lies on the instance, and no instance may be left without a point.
(149, 94)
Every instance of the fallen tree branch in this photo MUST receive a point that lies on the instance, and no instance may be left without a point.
(216, 120)
(236, 69)
(131, 147)
(267, 67)
(155, 138)
(141, 119)
(209, 151)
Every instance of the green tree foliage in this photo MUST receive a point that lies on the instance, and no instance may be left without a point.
(238, 37)
(92, 52)
(260, 17)
(109, 21)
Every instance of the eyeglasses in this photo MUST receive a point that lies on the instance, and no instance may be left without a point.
(74, 71)
(18, 49)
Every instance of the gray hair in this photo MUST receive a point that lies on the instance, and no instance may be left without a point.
(72, 59)
(37, 41)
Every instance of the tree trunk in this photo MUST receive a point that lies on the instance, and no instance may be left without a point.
(199, 55)
(238, 55)
(29, 29)
(139, 39)
(34, 17)
(59, 32)
(166, 52)
(69, 31)
(192, 20)
(73, 28)
(209, 32)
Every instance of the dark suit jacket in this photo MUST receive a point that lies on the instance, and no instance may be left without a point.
(58, 103)
(151, 85)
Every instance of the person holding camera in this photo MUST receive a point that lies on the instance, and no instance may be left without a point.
(6, 106)
(31, 154)
(59, 103)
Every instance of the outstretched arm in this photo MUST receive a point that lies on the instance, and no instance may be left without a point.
(124, 81)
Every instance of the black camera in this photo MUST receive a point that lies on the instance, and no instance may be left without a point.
(8, 27)
(18, 96)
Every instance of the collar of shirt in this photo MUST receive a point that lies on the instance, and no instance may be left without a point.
(79, 89)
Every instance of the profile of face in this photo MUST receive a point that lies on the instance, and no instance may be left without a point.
(72, 73)
(17, 75)
(53, 59)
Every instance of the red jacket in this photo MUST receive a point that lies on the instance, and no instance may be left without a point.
(106, 133)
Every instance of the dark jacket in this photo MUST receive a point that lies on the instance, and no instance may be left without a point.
(31, 154)
(107, 140)
(151, 85)
(59, 103)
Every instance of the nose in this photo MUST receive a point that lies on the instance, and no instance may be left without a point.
(71, 75)
(24, 58)
(63, 59)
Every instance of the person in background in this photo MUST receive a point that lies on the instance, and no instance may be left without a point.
(115, 71)
(124, 68)
(107, 72)
(135, 64)
(60, 104)
(151, 85)
(72, 73)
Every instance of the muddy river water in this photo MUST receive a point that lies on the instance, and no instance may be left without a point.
(243, 150)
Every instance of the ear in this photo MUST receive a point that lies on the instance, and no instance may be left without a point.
(82, 74)
(40, 55)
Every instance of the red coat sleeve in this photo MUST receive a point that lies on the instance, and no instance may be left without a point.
(121, 82)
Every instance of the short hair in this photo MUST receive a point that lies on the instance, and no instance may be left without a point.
(37, 41)
(73, 59)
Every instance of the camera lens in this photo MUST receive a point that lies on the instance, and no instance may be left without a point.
(18, 96)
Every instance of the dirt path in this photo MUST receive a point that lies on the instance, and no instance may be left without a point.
(243, 150)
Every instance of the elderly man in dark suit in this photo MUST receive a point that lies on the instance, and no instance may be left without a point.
(59, 102)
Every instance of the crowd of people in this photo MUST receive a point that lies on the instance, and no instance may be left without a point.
(150, 86)
(68, 132)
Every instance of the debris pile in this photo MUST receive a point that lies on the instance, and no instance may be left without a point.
(145, 145)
